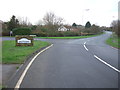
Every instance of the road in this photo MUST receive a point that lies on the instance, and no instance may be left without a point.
(73, 63)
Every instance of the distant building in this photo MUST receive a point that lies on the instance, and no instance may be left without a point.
(70, 28)
(63, 28)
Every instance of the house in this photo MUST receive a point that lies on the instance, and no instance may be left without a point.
(63, 28)
(70, 28)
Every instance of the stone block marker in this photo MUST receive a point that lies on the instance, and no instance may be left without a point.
(24, 40)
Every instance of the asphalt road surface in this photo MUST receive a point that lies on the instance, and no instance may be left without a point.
(73, 63)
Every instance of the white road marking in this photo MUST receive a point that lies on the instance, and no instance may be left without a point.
(85, 46)
(106, 63)
(26, 69)
(84, 43)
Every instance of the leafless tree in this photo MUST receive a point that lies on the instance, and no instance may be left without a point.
(116, 27)
(51, 19)
(24, 21)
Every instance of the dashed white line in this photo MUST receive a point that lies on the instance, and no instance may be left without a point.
(26, 69)
(106, 63)
(102, 60)
(85, 46)
(84, 43)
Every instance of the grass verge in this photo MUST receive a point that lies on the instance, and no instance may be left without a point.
(12, 54)
(113, 41)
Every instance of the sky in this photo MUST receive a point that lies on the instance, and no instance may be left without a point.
(99, 12)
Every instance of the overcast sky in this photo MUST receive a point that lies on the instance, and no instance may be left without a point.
(101, 12)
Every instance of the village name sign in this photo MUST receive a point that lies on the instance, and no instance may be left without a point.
(24, 40)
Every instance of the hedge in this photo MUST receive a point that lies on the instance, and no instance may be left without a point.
(22, 31)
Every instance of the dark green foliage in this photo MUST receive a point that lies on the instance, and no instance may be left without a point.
(41, 34)
(13, 23)
(33, 27)
(22, 31)
(74, 24)
(44, 29)
(88, 25)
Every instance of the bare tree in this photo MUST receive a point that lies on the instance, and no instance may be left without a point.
(24, 21)
(51, 19)
(59, 21)
(115, 27)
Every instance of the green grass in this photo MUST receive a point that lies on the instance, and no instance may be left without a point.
(72, 37)
(2, 87)
(17, 55)
(113, 41)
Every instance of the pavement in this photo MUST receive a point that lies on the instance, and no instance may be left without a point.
(7, 71)
(73, 63)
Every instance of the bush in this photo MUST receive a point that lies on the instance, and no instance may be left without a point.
(22, 31)
(70, 33)
(39, 33)
(92, 30)
(116, 27)
(6, 33)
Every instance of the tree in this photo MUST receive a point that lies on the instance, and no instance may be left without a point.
(24, 21)
(74, 24)
(95, 29)
(13, 23)
(52, 22)
(51, 19)
(22, 31)
(116, 27)
(88, 25)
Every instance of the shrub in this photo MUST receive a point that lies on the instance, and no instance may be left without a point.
(70, 33)
(92, 30)
(22, 31)
(39, 33)
(116, 27)
(5, 33)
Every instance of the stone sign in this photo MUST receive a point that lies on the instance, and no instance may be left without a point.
(24, 40)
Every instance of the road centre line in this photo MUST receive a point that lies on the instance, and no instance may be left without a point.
(85, 46)
(106, 63)
(28, 66)
(84, 43)
(102, 60)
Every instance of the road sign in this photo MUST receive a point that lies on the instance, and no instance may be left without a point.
(24, 40)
